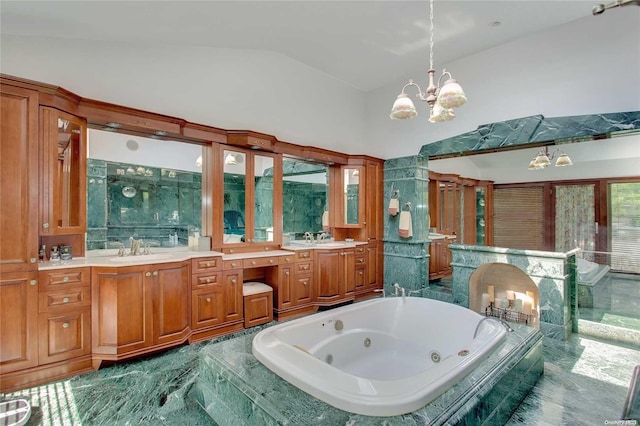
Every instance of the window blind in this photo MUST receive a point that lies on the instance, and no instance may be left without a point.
(624, 229)
(518, 220)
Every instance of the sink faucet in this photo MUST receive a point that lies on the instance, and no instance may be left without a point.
(308, 237)
(321, 237)
(135, 246)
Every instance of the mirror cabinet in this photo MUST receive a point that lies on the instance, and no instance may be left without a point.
(63, 170)
(348, 191)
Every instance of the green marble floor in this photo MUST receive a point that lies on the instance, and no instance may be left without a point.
(585, 383)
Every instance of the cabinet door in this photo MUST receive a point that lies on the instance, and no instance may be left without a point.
(122, 310)
(303, 289)
(18, 321)
(351, 198)
(63, 153)
(64, 335)
(284, 288)
(372, 266)
(18, 179)
(374, 189)
(233, 295)
(207, 307)
(328, 276)
(171, 302)
(348, 272)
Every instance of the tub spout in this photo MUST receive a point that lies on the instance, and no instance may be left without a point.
(500, 320)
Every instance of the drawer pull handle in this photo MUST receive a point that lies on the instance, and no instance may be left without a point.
(45, 225)
(361, 273)
(65, 300)
(305, 267)
(253, 262)
(65, 279)
(208, 280)
(148, 274)
(343, 254)
(271, 261)
(286, 273)
(233, 264)
(286, 259)
(33, 282)
(233, 281)
(208, 300)
(65, 325)
(155, 273)
(208, 265)
(361, 260)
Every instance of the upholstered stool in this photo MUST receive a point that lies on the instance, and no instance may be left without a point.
(258, 303)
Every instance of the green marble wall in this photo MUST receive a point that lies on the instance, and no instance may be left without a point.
(302, 207)
(406, 260)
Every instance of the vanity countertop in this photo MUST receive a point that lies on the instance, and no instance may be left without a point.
(323, 246)
(113, 260)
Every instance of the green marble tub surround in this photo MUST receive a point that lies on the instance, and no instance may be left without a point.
(533, 130)
(233, 384)
(406, 260)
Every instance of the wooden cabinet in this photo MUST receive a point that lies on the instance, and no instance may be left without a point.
(64, 319)
(63, 159)
(232, 281)
(18, 321)
(334, 276)
(293, 294)
(136, 308)
(207, 294)
(348, 192)
(374, 203)
(440, 258)
(18, 179)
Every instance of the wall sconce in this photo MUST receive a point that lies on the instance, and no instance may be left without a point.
(543, 159)
(441, 100)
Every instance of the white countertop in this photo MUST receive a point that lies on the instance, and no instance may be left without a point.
(323, 246)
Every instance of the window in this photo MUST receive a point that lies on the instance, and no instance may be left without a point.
(624, 229)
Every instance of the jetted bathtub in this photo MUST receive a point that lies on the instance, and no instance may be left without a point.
(381, 357)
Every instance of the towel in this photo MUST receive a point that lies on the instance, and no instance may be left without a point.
(325, 221)
(394, 206)
(405, 228)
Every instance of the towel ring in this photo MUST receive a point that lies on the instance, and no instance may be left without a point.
(408, 205)
(394, 193)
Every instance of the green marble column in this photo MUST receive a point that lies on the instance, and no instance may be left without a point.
(406, 260)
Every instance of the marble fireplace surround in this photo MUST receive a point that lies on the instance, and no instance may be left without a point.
(553, 273)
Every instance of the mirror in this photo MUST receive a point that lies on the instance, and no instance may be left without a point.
(305, 197)
(235, 172)
(143, 188)
(71, 160)
(351, 195)
(263, 198)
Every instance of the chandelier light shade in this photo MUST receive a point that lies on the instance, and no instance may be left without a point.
(543, 159)
(440, 99)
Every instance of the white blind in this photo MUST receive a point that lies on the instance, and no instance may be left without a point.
(624, 229)
(518, 220)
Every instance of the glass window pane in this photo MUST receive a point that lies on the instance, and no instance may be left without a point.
(624, 229)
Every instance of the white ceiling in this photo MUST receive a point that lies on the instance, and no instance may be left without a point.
(353, 41)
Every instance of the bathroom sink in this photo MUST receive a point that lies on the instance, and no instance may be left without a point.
(140, 258)
(332, 245)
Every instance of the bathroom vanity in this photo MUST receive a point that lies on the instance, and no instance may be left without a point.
(64, 318)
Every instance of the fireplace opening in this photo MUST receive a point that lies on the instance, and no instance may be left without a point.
(505, 291)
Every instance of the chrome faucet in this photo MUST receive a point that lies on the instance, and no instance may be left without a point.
(321, 237)
(500, 320)
(120, 250)
(399, 289)
(308, 237)
(135, 246)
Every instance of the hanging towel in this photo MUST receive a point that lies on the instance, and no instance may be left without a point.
(325, 221)
(394, 206)
(405, 228)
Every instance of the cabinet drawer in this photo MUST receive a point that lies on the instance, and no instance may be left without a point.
(205, 280)
(290, 258)
(232, 264)
(64, 336)
(304, 267)
(361, 260)
(259, 262)
(50, 280)
(302, 255)
(64, 299)
(205, 264)
(360, 250)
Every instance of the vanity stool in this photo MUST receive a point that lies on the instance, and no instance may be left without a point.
(258, 303)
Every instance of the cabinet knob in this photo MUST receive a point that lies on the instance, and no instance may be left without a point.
(208, 265)
(155, 273)
(148, 274)
(65, 279)
(343, 254)
(208, 280)
(65, 300)
(253, 262)
(233, 264)
(233, 281)
(286, 259)
(271, 261)
(305, 267)
(45, 225)
(286, 273)
(361, 273)
(32, 260)
(33, 282)
(361, 260)
(208, 300)
(304, 283)
(65, 325)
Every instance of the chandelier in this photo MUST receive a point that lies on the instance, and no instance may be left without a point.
(542, 159)
(441, 100)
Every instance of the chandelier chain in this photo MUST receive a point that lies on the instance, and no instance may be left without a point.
(430, 34)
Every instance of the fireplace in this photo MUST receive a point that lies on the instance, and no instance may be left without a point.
(504, 291)
(549, 277)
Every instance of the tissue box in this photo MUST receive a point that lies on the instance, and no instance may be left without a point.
(199, 243)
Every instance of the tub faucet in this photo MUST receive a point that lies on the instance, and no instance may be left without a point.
(399, 289)
(500, 320)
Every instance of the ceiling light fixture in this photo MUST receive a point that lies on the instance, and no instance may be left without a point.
(441, 100)
(230, 159)
(543, 159)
